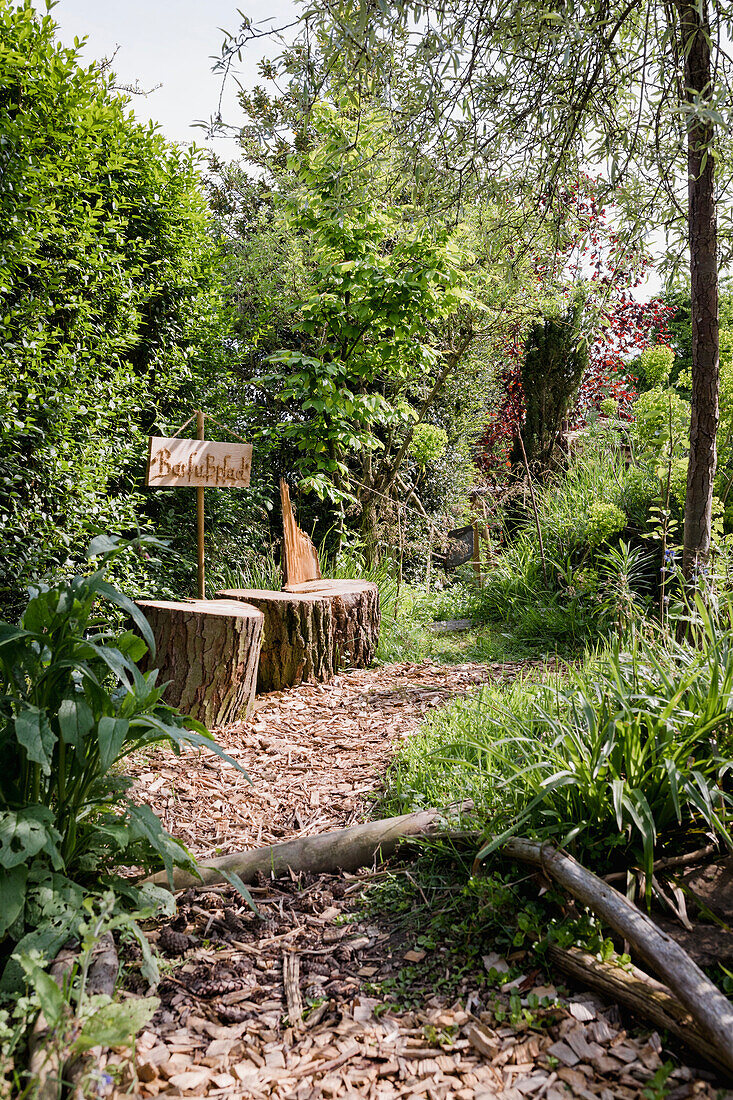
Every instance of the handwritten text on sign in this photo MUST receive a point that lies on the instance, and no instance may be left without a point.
(198, 463)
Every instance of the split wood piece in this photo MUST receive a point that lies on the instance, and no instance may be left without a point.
(644, 996)
(711, 1011)
(300, 557)
(101, 979)
(309, 635)
(208, 651)
(291, 981)
(344, 849)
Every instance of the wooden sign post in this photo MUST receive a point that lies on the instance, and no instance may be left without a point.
(200, 464)
(200, 563)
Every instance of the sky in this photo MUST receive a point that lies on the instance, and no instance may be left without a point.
(171, 42)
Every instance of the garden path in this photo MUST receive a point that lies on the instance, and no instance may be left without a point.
(290, 1006)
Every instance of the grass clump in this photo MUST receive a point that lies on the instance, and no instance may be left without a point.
(615, 760)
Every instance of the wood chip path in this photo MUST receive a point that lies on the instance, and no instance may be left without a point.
(287, 1005)
(315, 755)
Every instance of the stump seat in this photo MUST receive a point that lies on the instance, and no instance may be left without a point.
(208, 651)
(311, 632)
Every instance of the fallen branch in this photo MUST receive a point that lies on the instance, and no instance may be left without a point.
(343, 849)
(644, 996)
(709, 1008)
(358, 846)
(669, 863)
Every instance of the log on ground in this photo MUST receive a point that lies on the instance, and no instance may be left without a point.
(340, 850)
(709, 1008)
(209, 652)
(647, 998)
(312, 632)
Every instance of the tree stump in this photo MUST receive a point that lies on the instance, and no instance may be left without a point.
(209, 650)
(311, 633)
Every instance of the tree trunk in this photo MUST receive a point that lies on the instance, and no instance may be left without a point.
(694, 34)
(297, 640)
(209, 651)
(355, 618)
(311, 633)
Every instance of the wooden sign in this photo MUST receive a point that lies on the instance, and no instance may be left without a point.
(197, 463)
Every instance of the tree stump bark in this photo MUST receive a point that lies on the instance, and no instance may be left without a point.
(209, 650)
(312, 632)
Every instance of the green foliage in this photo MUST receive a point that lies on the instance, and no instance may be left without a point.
(601, 522)
(73, 705)
(428, 444)
(381, 278)
(555, 359)
(77, 1019)
(593, 579)
(661, 417)
(615, 760)
(609, 406)
(580, 507)
(110, 309)
(654, 367)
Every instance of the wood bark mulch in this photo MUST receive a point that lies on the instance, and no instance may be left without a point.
(315, 756)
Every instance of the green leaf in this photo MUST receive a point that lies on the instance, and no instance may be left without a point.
(116, 1024)
(148, 966)
(10, 633)
(234, 880)
(12, 896)
(146, 826)
(111, 734)
(75, 720)
(23, 834)
(124, 602)
(34, 733)
(53, 1002)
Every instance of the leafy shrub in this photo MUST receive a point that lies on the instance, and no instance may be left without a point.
(428, 443)
(110, 303)
(602, 520)
(640, 491)
(651, 430)
(654, 367)
(74, 704)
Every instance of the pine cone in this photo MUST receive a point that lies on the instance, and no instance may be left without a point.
(232, 921)
(316, 966)
(232, 1014)
(217, 987)
(172, 942)
(211, 901)
(341, 989)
